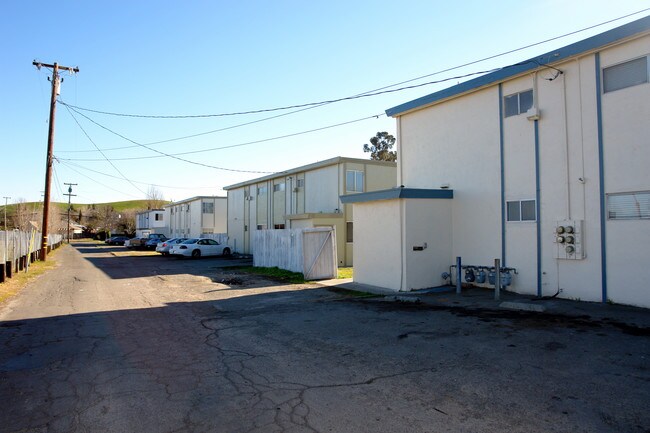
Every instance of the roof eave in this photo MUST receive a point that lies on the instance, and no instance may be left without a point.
(594, 43)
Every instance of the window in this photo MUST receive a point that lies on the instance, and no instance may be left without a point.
(207, 207)
(159, 217)
(300, 183)
(518, 103)
(521, 210)
(349, 232)
(278, 187)
(261, 227)
(278, 226)
(354, 181)
(261, 190)
(626, 74)
(628, 206)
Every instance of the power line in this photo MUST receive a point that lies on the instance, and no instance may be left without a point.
(100, 151)
(304, 107)
(98, 182)
(157, 151)
(374, 116)
(289, 107)
(313, 105)
(368, 93)
(213, 131)
(71, 164)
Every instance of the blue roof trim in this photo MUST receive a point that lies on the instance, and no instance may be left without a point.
(394, 193)
(551, 57)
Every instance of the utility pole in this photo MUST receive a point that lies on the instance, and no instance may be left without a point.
(70, 195)
(50, 146)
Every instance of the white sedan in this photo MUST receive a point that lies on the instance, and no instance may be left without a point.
(163, 247)
(200, 247)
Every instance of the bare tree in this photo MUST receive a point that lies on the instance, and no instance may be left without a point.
(126, 223)
(22, 215)
(155, 198)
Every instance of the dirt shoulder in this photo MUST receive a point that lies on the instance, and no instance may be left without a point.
(12, 286)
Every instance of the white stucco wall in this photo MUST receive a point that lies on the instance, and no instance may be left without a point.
(377, 244)
(428, 224)
(626, 131)
(457, 143)
(322, 190)
(186, 217)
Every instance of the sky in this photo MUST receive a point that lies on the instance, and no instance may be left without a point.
(171, 58)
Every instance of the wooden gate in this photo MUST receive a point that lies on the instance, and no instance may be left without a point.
(319, 253)
(311, 252)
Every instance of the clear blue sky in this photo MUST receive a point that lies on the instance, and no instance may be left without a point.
(206, 57)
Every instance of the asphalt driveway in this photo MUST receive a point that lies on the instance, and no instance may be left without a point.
(146, 344)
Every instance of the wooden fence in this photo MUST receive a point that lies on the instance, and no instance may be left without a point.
(311, 252)
(222, 238)
(19, 249)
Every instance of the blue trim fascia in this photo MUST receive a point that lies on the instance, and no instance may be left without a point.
(550, 57)
(503, 179)
(601, 182)
(395, 193)
(538, 211)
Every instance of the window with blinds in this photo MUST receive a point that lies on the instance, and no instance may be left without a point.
(628, 206)
(626, 74)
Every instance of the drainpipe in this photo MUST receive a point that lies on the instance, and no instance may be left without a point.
(566, 146)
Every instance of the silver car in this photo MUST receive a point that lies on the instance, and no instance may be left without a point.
(163, 247)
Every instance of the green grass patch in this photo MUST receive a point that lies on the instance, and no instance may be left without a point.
(274, 273)
(345, 273)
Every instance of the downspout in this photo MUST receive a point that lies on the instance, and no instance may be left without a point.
(402, 204)
(538, 204)
(400, 151)
(601, 175)
(566, 146)
(503, 184)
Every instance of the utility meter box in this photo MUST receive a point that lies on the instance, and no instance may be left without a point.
(569, 238)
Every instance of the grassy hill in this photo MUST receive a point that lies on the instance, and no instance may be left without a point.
(118, 206)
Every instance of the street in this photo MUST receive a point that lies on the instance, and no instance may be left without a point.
(109, 343)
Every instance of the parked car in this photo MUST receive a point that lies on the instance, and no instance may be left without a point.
(135, 242)
(159, 236)
(163, 247)
(116, 240)
(199, 247)
(151, 243)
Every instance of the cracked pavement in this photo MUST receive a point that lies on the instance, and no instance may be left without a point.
(150, 344)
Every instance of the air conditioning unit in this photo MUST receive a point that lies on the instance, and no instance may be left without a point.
(533, 113)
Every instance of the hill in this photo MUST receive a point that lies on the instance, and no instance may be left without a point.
(118, 206)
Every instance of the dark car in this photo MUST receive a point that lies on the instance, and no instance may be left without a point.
(116, 240)
(152, 242)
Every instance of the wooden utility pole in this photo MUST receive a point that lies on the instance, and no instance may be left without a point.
(70, 195)
(50, 147)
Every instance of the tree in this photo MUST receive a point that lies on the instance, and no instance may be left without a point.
(380, 147)
(155, 198)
